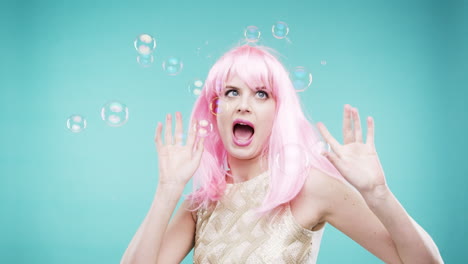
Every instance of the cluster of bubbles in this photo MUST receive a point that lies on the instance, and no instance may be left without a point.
(113, 113)
(145, 45)
(280, 30)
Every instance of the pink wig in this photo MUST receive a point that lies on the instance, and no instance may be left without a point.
(294, 144)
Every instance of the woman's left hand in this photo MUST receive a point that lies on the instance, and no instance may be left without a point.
(356, 161)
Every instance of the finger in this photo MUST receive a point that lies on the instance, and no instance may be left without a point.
(168, 135)
(370, 131)
(178, 129)
(157, 136)
(348, 135)
(357, 126)
(328, 137)
(191, 134)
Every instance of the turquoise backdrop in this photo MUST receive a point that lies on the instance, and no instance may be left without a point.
(80, 197)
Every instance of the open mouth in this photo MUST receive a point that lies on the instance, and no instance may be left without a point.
(243, 132)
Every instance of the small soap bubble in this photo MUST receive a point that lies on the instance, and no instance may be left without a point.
(292, 159)
(76, 123)
(252, 34)
(203, 128)
(145, 60)
(195, 87)
(115, 113)
(172, 66)
(280, 30)
(323, 62)
(301, 78)
(145, 44)
(215, 106)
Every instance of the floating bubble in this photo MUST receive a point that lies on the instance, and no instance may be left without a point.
(292, 159)
(323, 62)
(203, 128)
(145, 60)
(195, 87)
(280, 30)
(172, 66)
(252, 34)
(145, 44)
(301, 78)
(76, 123)
(215, 106)
(114, 113)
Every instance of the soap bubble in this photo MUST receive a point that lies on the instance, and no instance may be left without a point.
(292, 159)
(76, 123)
(280, 30)
(301, 78)
(252, 34)
(145, 44)
(195, 87)
(203, 128)
(215, 106)
(115, 113)
(145, 60)
(172, 66)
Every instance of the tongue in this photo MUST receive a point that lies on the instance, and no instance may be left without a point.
(243, 132)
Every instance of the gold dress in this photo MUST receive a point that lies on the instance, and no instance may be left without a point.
(229, 232)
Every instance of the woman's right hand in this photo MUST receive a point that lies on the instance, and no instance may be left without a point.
(177, 162)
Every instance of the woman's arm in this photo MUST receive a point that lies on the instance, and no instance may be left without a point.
(414, 245)
(145, 245)
(374, 209)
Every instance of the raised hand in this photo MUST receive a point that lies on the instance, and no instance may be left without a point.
(177, 162)
(358, 162)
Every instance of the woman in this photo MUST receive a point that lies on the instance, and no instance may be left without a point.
(264, 184)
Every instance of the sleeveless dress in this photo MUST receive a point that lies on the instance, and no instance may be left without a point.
(229, 232)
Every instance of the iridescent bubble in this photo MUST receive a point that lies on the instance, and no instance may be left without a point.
(292, 159)
(215, 106)
(203, 128)
(252, 34)
(301, 78)
(145, 60)
(172, 66)
(76, 123)
(115, 113)
(195, 87)
(280, 30)
(145, 44)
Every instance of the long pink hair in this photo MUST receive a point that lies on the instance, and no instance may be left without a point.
(294, 144)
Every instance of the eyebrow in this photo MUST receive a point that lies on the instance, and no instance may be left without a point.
(234, 87)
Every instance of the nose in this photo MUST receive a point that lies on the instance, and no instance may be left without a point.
(244, 105)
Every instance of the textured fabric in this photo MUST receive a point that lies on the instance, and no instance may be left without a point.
(229, 232)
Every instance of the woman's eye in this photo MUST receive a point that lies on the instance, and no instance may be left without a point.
(228, 92)
(264, 94)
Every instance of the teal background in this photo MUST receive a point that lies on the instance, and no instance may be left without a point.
(80, 197)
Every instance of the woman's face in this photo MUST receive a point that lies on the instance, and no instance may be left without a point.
(245, 118)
